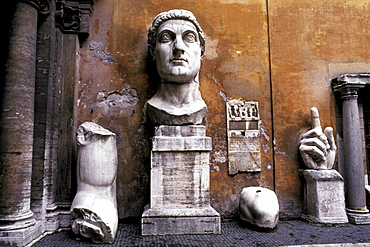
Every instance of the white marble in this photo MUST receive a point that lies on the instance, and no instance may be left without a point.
(94, 208)
(179, 183)
(324, 197)
(318, 147)
(176, 43)
(259, 206)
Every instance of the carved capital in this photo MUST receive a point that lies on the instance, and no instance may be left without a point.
(73, 16)
(349, 84)
(43, 6)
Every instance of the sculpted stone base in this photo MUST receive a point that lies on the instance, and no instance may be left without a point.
(180, 221)
(180, 200)
(358, 217)
(21, 236)
(324, 197)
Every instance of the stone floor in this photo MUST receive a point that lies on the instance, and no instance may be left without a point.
(293, 232)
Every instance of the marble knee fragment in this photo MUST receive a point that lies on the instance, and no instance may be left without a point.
(259, 206)
(94, 208)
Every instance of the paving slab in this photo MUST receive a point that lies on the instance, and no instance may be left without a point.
(287, 233)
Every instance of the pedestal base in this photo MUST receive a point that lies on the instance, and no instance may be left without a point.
(22, 236)
(324, 201)
(180, 221)
(357, 217)
(179, 183)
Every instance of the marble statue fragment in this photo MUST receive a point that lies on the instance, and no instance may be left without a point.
(259, 206)
(179, 176)
(324, 201)
(318, 147)
(94, 208)
(176, 43)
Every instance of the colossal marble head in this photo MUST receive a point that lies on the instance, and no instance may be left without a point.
(175, 14)
(177, 44)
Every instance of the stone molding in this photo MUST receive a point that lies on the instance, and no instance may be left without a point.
(363, 78)
(43, 6)
(73, 16)
(348, 84)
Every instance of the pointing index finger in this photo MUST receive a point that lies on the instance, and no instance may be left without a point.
(315, 118)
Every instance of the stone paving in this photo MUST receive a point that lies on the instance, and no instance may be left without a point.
(287, 233)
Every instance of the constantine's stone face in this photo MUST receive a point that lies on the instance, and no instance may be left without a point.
(177, 44)
(177, 51)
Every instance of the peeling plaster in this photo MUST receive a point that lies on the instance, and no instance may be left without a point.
(264, 133)
(219, 156)
(118, 102)
(223, 95)
(277, 149)
(96, 49)
(265, 148)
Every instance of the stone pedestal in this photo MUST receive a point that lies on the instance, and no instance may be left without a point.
(180, 198)
(324, 197)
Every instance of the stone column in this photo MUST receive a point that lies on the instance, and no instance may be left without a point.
(353, 158)
(16, 123)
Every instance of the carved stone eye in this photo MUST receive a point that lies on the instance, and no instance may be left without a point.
(165, 37)
(190, 37)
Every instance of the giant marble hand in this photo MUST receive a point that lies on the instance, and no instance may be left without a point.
(317, 147)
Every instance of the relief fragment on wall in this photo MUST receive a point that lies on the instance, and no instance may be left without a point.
(244, 149)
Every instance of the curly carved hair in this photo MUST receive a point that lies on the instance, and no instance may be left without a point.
(174, 14)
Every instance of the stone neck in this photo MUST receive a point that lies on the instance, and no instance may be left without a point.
(178, 99)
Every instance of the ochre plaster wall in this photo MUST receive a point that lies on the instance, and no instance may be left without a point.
(311, 42)
(295, 46)
(236, 65)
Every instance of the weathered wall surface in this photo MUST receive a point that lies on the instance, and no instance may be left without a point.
(311, 43)
(306, 42)
(116, 82)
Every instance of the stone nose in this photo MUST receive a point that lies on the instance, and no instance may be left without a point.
(178, 46)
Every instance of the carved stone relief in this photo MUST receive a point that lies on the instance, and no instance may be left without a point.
(244, 149)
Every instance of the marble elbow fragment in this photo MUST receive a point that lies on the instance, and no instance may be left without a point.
(94, 208)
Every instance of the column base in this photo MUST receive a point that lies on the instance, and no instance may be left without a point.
(358, 217)
(21, 236)
(174, 221)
